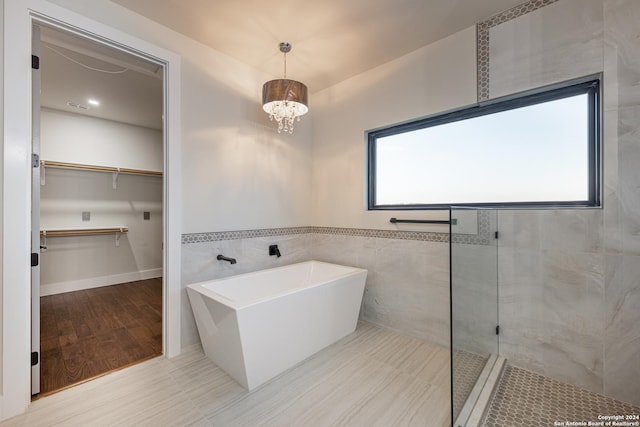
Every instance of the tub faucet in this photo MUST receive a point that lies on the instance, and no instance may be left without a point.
(224, 258)
(273, 250)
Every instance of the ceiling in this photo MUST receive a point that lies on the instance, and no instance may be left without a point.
(332, 39)
(69, 75)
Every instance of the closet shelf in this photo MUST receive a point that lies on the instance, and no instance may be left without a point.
(56, 232)
(52, 164)
(61, 232)
(115, 171)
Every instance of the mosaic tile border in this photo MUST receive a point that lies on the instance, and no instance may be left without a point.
(482, 29)
(482, 238)
(384, 234)
(485, 234)
(242, 234)
(358, 232)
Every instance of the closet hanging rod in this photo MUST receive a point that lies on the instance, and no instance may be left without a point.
(49, 163)
(83, 231)
(422, 221)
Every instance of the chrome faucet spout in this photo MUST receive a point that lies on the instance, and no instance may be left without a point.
(224, 258)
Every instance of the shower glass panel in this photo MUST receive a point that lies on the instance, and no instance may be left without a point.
(474, 304)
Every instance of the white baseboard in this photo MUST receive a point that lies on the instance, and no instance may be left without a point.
(96, 282)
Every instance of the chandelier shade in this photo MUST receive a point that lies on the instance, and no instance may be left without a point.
(285, 100)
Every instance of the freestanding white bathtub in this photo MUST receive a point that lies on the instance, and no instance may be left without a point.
(257, 325)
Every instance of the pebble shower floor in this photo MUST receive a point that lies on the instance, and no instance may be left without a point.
(526, 399)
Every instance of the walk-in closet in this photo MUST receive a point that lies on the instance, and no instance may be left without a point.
(97, 209)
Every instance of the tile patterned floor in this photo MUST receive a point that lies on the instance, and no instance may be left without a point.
(527, 399)
(467, 368)
(370, 378)
(373, 377)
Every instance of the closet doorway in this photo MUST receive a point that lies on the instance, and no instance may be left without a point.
(98, 202)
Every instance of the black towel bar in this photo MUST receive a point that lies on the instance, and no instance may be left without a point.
(423, 221)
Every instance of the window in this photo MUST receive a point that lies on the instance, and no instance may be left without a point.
(536, 149)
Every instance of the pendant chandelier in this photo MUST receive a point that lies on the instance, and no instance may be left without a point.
(283, 99)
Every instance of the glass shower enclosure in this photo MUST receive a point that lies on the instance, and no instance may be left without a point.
(474, 307)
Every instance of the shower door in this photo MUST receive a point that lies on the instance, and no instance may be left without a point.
(474, 304)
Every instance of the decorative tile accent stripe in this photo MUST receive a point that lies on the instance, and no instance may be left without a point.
(482, 40)
(384, 234)
(359, 232)
(242, 234)
(482, 238)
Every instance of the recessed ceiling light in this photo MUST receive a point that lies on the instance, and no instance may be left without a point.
(93, 102)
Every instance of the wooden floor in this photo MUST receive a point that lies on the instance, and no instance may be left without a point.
(371, 378)
(85, 334)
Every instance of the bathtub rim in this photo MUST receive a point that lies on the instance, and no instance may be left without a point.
(200, 288)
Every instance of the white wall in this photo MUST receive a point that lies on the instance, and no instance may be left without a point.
(74, 138)
(436, 78)
(82, 262)
(1, 162)
(237, 172)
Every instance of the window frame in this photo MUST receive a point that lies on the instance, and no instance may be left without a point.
(590, 85)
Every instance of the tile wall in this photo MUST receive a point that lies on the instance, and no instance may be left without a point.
(569, 279)
(621, 222)
(407, 287)
(551, 276)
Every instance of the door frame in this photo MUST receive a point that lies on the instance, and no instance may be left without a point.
(35, 213)
(19, 16)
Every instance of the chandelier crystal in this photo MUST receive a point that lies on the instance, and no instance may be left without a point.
(283, 99)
